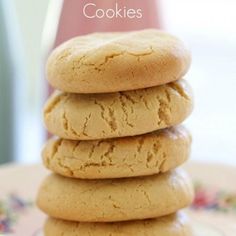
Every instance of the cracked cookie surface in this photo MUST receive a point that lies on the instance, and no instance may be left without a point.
(101, 116)
(110, 62)
(115, 199)
(172, 225)
(147, 154)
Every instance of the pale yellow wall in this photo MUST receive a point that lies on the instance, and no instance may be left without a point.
(31, 17)
(37, 23)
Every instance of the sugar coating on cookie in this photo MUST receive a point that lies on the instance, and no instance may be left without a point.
(172, 225)
(115, 199)
(147, 154)
(111, 62)
(101, 116)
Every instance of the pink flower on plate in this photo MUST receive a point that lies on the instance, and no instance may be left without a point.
(204, 198)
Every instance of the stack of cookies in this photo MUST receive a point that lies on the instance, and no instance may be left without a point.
(119, 142)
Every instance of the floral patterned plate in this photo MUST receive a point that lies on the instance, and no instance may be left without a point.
(213, 212)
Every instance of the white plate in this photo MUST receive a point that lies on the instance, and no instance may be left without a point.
(26, 220)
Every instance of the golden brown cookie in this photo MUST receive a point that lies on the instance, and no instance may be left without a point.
(101, 116)
(111, 62)
(114, 199)
(172, 225)
(147, 154)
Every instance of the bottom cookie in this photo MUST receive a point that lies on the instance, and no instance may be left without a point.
(172, 225)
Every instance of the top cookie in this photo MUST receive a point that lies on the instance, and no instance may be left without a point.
(110, 62)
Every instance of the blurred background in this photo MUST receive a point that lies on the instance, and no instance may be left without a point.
(29, 30)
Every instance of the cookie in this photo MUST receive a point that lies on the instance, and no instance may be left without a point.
(114, 200)
(147, 154)
(111, 62)
(101, 116)
(172, 225)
